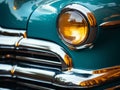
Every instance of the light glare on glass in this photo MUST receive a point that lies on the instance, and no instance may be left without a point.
(73, 27)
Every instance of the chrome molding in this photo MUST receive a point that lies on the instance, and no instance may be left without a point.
(22, 58)
(8, 40)
(5, 70)
(12, 32)
(73, 78)
(32, 73)
(110, 24)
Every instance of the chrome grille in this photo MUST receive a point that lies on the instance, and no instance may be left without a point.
(31, 52)
(41, 58)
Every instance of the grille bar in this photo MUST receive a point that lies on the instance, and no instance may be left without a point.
(14, 46)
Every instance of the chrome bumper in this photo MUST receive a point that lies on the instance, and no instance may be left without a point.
(67, 79)
(44, 61)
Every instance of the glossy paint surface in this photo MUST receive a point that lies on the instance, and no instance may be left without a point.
(104, 10)
(105, 52)
(15, 13)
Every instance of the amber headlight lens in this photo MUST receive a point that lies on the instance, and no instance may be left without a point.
(73, 27)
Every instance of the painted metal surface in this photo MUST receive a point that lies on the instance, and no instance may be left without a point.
(106, 46)
(15, 13)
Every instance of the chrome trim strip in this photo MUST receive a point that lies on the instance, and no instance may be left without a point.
(12, 32)
(34, 74)
(69, 79)
(5, 70)
(110, 24)
(38, 60)
(9, 40)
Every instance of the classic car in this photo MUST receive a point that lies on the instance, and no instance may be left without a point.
(53, 44)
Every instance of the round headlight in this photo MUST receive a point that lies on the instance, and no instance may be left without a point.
(75, 26)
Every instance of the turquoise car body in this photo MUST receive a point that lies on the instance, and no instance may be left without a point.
(38, 18)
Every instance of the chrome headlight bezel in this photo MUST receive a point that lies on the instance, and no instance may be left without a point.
(90, 20)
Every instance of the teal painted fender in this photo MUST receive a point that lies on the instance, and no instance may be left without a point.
(105, 53)
(16, 12)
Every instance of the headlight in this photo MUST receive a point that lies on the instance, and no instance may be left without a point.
(75, 26)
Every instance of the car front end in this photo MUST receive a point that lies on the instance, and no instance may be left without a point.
(71, 44)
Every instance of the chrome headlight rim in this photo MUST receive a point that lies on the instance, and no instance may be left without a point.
(91, 21)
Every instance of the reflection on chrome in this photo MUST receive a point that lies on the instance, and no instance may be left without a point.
(73, 78)
(15, 42)
(11, 32)
(25, 58)
(110, 24)
(38, 45)
(5, 70)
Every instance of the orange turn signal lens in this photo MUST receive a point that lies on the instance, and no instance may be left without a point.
(73, 27)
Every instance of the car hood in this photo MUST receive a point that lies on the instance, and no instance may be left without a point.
(15, 13)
